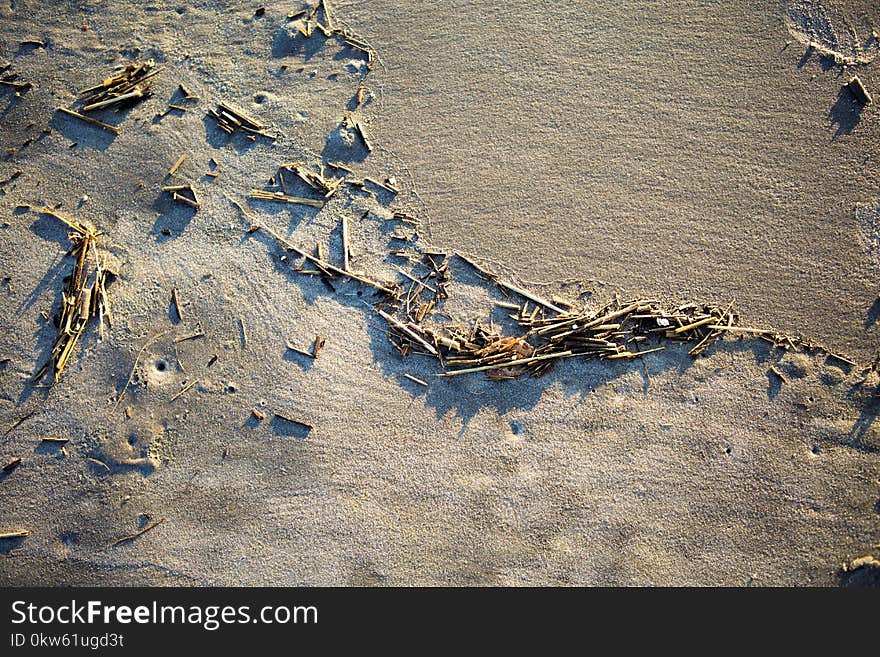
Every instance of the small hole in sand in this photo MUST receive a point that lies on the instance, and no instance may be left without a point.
(815, 449)
(259, 99)
(161, 365)
(729, 450)
(132, 440)
(516, 427)
(231, 388)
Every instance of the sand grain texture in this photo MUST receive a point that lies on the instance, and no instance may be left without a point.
(669, 149)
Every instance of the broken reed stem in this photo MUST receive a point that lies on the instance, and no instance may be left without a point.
(510, 286)
(177, 307)
(177, 165)
(301, 352)
(99, 462)
(83, 298)
(416, 280)
(415, 380)
(135, 93)
(88, 119)
(400, 326)
(740, 329)
(346, 264)
(20, 533)
(325, 265)
(17, 423)
(244, 339)
(512, 363)
(185, 389)
(697, 324)
(633, 354)
(138, 534)
(281, 197)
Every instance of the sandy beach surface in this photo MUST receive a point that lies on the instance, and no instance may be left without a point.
(681, 151)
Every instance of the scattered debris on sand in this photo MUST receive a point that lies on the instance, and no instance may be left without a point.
(11, 80)
(317, 180)
(85, 296)
(539, 330)
(281, 197)
(184, 194)
(307, 21)
(127, 86)
(230, 119)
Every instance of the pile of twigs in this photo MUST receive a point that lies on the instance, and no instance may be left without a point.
(229, 119)
(548, 332)
(307, 21)
(129, 85)
(84, 297)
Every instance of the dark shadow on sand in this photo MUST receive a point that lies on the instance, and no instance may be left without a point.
(845, 114)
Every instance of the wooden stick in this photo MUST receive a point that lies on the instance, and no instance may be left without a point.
(513, 288)
(416, 280)
(88, 119)
(185, 389)
(319, 343)
(415, 380)
(346, 264)
(633, 354)
(177, 305)
(362, 131)
(292, 421)
(301, 352)
(280, 197)
(137, 93)
(240, 115)
(20, 421)
(842, 359)
(180, 198)
(192, 336)
(12, 465)
(176, 165)
(400, 326)
(694, 325)
(16, 85)
(21, 533)
(99, 462)
(739, 329)
(244, 339)
(510, 363)
(131, 537)
(323, 264)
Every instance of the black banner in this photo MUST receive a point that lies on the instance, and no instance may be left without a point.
(125, 621)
